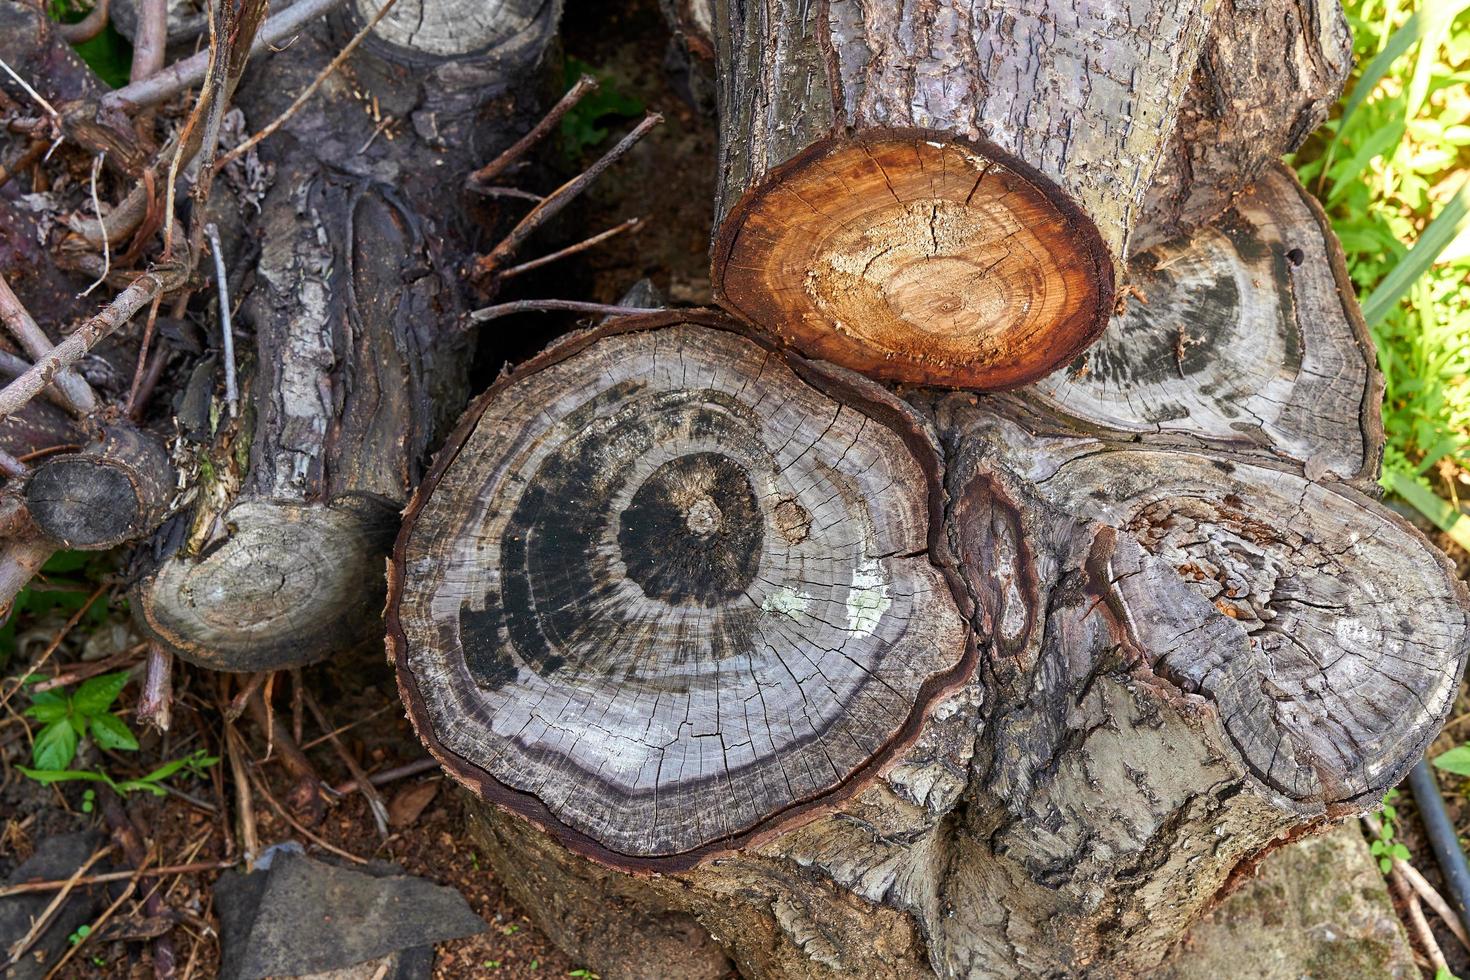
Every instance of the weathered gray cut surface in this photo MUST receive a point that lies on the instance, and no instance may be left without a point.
(1267, 77)
(1189, 655)
(1244, 336)
(940, 194)
(670, 585)
(1318, 621)
(360, 356)
(116, 489)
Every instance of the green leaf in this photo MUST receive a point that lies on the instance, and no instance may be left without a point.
(1451, 220)
(1440, 512)
(96, 695)
(47, 706)
(1456, 760)
(56, 745)
(110, 732)
(1425, 20)
(64, 775)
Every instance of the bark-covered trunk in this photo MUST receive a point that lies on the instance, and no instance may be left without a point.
(1267, 77)
(742, 656)
(360, 352)
(942, 194)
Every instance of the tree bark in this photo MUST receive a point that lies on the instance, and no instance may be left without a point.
(1188, 649)
(1267, 77)
(940, 196)
(360, 352)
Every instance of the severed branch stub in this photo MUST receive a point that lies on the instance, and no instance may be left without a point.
(940, 195)
(1245, 335)
(667, 588)
(116, 489)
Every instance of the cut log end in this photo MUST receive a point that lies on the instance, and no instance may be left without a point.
(666, 587)
(424, 30)
(290, 585)
(917, 257)
(1246, 334)
(113, 491)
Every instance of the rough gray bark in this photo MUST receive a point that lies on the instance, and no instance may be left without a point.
(360, 356)
(1267, 77)
(1189, 652)
(1244, 336)
(940, 194)
(116, 489)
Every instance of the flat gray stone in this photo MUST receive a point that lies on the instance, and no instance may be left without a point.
(303, 916)
(1319, 909)
(55, 859)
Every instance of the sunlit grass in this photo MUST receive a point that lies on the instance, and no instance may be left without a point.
(1394, 158)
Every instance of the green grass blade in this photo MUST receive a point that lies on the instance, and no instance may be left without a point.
(1419, 24)
(1446, 225)
(1445, 517)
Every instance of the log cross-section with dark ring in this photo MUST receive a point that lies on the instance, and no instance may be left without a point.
(667, 585)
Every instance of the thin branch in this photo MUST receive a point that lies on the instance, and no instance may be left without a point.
(148, 327)
(560, 198)
(227, 331)
(387, 776)
(88, 27)
(97, 210)
(37, 96)
(496, 167)
(13, 467)
(376, 805)
(548, 305)
(310, 89)
(88, 669)
(20, 391)
(515, 192)
(581, 246)
(77, 394)
(31, 887)
(150, 41)
(191, 71)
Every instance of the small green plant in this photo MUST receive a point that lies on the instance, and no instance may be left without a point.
(87, 713)
(66, 718)
(1455, 761)
(583, 127)
(1385, 848)
(82, 933)
(193, 764)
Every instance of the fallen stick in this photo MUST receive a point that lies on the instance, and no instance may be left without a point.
(32, 887)
(191, 70)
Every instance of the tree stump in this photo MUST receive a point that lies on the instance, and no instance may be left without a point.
(360, 353)
(940, 195)
(1126, 631)
(718, 565)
